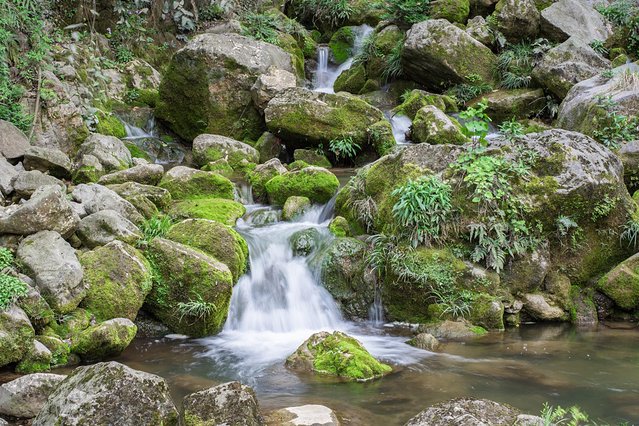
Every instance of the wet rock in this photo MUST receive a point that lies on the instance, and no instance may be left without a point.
(13, 143)
(262, 174)
(110, 151)
(437, 53)
(336, 355)
(269, 146)
(621, 284)
(573, 18)
(305, 242)
(25, 396)
(27, 182)
(517, 19)
(52, 262)
(267, 86)
(137, 194)
(7, 174)
(47, 209)
(95, 198)
(230, 403)
(48, 160)
(452, 330)
(109, 393)
(433, 126)
(101, 228)
(317, 184)
(538, 307)
(584, 312)
(294, 207)
(187, 183)
(339, 227)
(312, 157)
(146, 174)
(207, 148)
(467, 412)
(118, 278)
(17, 335)
(487, 311)
(527, 273)
(305, 415)
(424, 341)
(106, 339)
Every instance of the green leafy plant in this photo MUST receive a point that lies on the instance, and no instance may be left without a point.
(615, 128)
(475, 122)
(155, 227)
(424, 209)
(11, 289)
(624, 14)
(471, 89)
(455, 303)
(123, 55)
(512, 130)
(198, 309)
(406, 12)
(344, 148)
(368, 51)
(331, 12)
(599, 47)
(393, 62)
(362, 205)
(608, 74)
(569, 233)
(260, 27)
(212, 12)
(553, 416)
(6, 258)
(630, 233)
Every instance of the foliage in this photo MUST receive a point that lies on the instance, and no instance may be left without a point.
(471, 89)
(368, 50)
(455, 303)
(424, 209)
(260, 27)
(599, 47)
(331, 12)
(630, 233)
(344, 148)
(475, 122)
(516, 62)
(572, 416)
(197, 309)
(212, 12)
(11, 288)
(603, 208)
(155, 227)
(624, 14)
(6, 258)
(569, 232)
(512, 130)
(393, 62)
(406, 12)
(362, 205)
(123, 54)
(617, 128)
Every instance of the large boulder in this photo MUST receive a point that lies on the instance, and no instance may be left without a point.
(262, 174)
(207, 148)
(580, 111)
(517, 20)
(438, 53)
(218, 209)
(52, 263)
(304, 118)
(337, 355)
(230, 403)
(207, 86)
(466, 411)
(317, 184)
(574, 18)
(50, 160)
(118, 278)
(36, 360)
(110, 151)
(215, 239)
(621, 284)
(106, 339)
(16, 335)
(146, 174)
(148, 200)
(102, 227)
(7, 174)
(433, 126)
(13, 143)
(539, 308)
(187, 183)
(567, 64)
(25, 396)
(268, 85)
(95, 198)
(109, 393)
(47, 209)
(186, 278)
(27, 182)
(516, 103)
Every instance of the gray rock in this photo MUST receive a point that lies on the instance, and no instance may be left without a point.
(573, 18)
(467, 412)
(146, 174)
(207, 148)
(567, 64)
(433, 126)
(53, 265)
(142, 75)
(102, 227)
(13, 143)
(110, 151)
(7, 174)
(268, 85)
(516, 103)
(437, 53)
(479, 29)
(25, 396)
(227, 404)
(424, 341)
(106, 339)
(26, 183)
(95, 198)
(269, 146)
(48, 209)
(304, 242)
(538, 307)
(304, 415)
(294, 207)
(87, 169)
(109, 393)
(16, 335)
(517, 19)
(449, 330)
(50, 160)
(37, 359)
(131, 191)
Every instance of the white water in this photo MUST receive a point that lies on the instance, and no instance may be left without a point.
(326, 73)
(133, 132)
(401, 126)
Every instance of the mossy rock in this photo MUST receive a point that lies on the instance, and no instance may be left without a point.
(185, 183)
(452, 10)
(317, 184)
(339, 227)
(60, 350)
(290, 45)
(381, 137)
(295, 207)
(37, 360)
(186, 278)
(17, 335)
(351, 80)
(417, 99)
(269, 146)
(621, 284)
(217, 209)
(37, 309)
(304, 242)
(341, 44)
(215, 239)
(69, 325)
(433, 126)
(136, 151)
(103, 340)
(312, 157)
(118, 278)
(110, 125)
(488, 312)
(261, 175)
(337, 355)
(221, 167)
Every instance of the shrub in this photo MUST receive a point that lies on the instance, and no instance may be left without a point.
(406, 12)
(330, 12)
(11, 288)
(424, 209)
(616, 128)
(471, 89)
(155, 227)
(6, 258)
(344, 148)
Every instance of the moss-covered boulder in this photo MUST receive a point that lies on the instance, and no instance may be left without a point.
(207, 148)
(191, 290)
(17, 335)
(341, 44)
(185, 183)
(262, 174)
(104, 339)
(339, 227)
(304, 242)
(487, 311)
(109, 125)
(69, 325)
(59, 349)
(351, 80)
(517, 20)
(424, 341)
(217, 209)
(317, 184)
(339, 355)
(433, 126)
(621, 284)
(303, 118)
(418, 99)
(269, 146)
(229, 403)
(207, 86)
(451, 10)
(438, 53)
(221, 167)
(36, 307)
(37, 359)
(312, 157)
(215, 239)
(146, 198)
(294, 207)
(517, 103)
(110, 152)
(381, 137)
(118, 278)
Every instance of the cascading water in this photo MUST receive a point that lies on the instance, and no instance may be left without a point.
(326, 75)
(148, 140)
(401, 126)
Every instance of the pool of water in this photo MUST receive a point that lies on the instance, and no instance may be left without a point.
(597, 369)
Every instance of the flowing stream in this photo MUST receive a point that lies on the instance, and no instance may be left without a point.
(148, 140)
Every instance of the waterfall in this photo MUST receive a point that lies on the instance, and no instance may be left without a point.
(401, 126)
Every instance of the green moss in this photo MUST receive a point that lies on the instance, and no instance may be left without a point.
(312, 157)
(110, 125)
(70, 324)
(417, 99)
(60, 350)
(480, 331)
(339, 227)
(103, 340)
(351, 80)
(221, 167)
(136, 151)
(86, 174)
(622, 284)
(118, 279)
(452, 10)
(432, 126)
(297, 165)
(381, 137)
(217, 209)
(487, 311)
(294, 207)
(289, 44)
(215, 239)
(318, 185)
(341, 44)
(199, 184)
